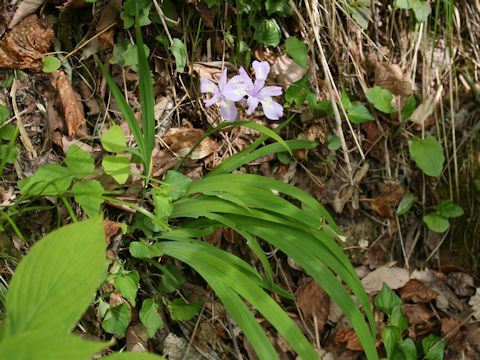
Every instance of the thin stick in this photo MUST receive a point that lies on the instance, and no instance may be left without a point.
(162, 19)
(89, 40)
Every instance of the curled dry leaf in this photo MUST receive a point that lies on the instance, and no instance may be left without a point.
(111, 228)
(25, 8)
(287, 71)
(391, 77)
(425, 109)
(474, 302)
(70, 100)
(417, 291)
(385, 204)
(25, 45)
(181, 141)
(348, 336)
(136, 338)
(417, 314)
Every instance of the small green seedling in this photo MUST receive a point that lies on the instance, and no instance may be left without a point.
(396, 346)
(50, 64)
(428, 154)
(420, 8)
(438, 220)
(381, 99)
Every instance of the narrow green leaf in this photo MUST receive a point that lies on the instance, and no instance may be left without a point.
(114, 139)
(79, 162)
(117, 166)
(127, 284)
(117, 319)
(149, 317)
(428, 154)
(87, 195)
(381, 99)
(297, 50)
(53, 285)
(147, 100)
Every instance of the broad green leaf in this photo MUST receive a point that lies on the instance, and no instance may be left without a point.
(149, 317)
(449, 209)
(162, 201)
(9, 153)
(281, 7)
(128, 355)
(391, 336)
(361, 15)
(408, 348)
(297, 50)
(87, 194)
(359, 113)
(54, 284)
(117, 319)
(436, 222)
(298, 90)
(347, 104)
(51, 345)
(409, 107)
(114, 139)
(284, 157)
(381, 99)
(334, 142)
(178, 182)
(50, 64)
(130, 56)
(386, 300)
(79, 162)
(404, 4)
(130, 6)
(172, 278)
(428, 154)
(119, 52)
(49, 180)
(397, 318)
(140, 250)
(422, 10)
(127, 284)
(117, 166)
(4, 114)
(180, 310)
(433, 353)
(405, 204)
(128, 13)
(179, 51)
(7, 131)
(268, 33)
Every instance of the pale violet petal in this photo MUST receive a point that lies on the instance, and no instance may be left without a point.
(223, 80)
(257, 86)
(252, 103)
(261, 69)
(207, 86)
(272, 109)
(234, 90)
(246, 79)
(269, 91)
(228, 110)
(211, 101)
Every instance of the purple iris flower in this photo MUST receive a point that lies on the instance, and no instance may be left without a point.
(256, 92)
(228, 110)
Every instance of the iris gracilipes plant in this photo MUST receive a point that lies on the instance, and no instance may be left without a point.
(252, 206)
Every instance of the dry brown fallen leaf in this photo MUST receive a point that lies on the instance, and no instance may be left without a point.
(70, 100)
(25, 45)
(417, 314)
(313, 300)
(287, 71)
(181, 141)
(385, 204)
(136, 338)
(394, 277)
(348, 335)
(25, 8)
(417, 291)
(111, 228)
